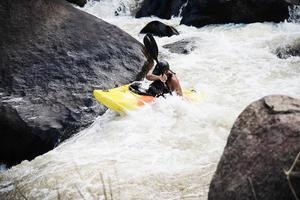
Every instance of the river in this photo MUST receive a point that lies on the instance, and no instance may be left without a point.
(170, 149)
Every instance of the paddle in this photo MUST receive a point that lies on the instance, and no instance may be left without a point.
(151, 46)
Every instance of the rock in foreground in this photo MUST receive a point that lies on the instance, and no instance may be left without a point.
(52, 56)
(264, 141)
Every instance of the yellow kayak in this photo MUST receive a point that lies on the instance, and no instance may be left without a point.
(122, 99)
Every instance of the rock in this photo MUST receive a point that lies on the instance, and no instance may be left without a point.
(203, 12)
(162, 9)
(282, 105)
(52, 57)
(181, 47)
(80, 3)
(159, 29)
(289, 50)
(264, 141)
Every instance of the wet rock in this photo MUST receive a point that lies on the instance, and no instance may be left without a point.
(162, 9)
(160, 29)
(264, 141)
(289, 50)
(203, 12)
(52, 57)
(181, 47)
(80, 3)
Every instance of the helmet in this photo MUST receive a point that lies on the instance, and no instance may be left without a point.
(163, 66)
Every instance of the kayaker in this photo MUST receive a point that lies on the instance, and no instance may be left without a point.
(164, 80)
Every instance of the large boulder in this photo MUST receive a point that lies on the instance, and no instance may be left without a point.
(159, 29)
(203, 12)
(52, 56)
(163, 9)
(263, 144)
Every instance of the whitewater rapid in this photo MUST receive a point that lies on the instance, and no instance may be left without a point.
(168, 150)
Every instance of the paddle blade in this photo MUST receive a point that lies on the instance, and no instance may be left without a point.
(151, 46)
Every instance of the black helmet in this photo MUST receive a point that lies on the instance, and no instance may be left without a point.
(163, 66)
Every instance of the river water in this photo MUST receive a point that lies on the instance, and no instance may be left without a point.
(168, 150)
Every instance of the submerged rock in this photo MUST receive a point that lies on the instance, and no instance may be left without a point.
(52, 56)
(162, 9)
(203, 12)
(289, 50)
(160, 29)
(181, 47)
(263, 143)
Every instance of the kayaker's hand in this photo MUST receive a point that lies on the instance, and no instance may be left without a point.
(163, 78)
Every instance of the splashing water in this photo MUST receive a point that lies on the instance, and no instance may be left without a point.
(294, 14)
(167, 150)
(105, 8)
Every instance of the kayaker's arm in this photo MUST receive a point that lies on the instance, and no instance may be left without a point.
(152, 77)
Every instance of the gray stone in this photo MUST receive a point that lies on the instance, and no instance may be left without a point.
(289, 50)
(181, 47)
(52, 57)
(262, 145)
(282, 104)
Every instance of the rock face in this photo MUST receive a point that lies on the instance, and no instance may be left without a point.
(289, 50)
(52, 56)
(159, 29)
(163, 9)
(264, 141)
(181, 47)
(203, 12)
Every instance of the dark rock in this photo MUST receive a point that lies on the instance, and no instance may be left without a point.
(163, 9)
(159, 29)
(52, 56)
(289, 50)
(264, 141)
(203, 12)
(80, 3)
(181, 47)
